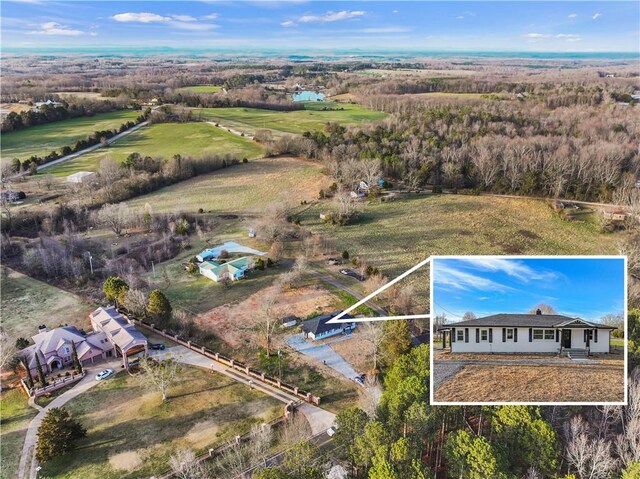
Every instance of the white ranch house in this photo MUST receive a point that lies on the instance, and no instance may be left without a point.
(526, 334)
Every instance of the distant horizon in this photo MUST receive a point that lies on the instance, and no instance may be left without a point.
(469, 26)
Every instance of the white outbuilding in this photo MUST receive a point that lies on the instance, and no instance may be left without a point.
(81, 177)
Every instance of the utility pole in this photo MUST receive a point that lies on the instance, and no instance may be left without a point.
(279, 366)
(90, 262)
(153, 267)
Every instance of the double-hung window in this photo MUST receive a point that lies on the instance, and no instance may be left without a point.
(484, 335)
(460, 335)
(509, 333)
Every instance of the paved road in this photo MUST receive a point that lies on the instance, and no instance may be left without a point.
(319, 419)
(332, 281)
(31, 438)
(323, 353)
(93, 148)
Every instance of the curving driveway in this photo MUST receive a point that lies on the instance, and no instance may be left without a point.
(323, 353)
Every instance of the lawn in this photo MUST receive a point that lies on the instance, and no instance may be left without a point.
(249, 120)
(41, 139)
(396, 235)
(244, 188)
(165, 140)
(27, 303)
(535, 383)
(131, 433)
(201, 89)
(14, 420)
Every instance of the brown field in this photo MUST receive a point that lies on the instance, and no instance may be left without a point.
(356, 351)
(535, 383)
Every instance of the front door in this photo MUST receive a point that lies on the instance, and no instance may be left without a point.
(566, 338)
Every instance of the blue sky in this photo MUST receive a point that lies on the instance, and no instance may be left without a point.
(296, 25)
(586, 288)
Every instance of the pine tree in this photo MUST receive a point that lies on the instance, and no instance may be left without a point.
(114, 288)
(159, 306)
(76, 362)
(41, 379)
(28, 379)
(396, 340)
(57, 434)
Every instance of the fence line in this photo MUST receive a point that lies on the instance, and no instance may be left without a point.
(57, 384)
(230, 362)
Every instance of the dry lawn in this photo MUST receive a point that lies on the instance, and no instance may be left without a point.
(356, 351)
(237, 324)
(536, 383)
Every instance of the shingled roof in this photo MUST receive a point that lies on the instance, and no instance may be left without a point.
(526, 321)
(319, 325)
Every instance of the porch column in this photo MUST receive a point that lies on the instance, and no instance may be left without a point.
(444, 339)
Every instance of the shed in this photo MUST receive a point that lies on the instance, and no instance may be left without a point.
(81, 177)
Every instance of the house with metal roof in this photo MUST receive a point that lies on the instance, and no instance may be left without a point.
(233, 270)
(527, 334)
(125, 338)
(319, 328)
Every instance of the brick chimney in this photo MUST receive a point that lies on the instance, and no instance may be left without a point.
(539, 312)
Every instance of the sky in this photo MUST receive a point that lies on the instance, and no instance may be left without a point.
(585, 288)
(298, 25)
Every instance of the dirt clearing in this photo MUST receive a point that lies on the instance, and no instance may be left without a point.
(539, 383)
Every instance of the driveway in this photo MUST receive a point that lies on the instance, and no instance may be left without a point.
(31, 438)
(332, 281)
(323, 353)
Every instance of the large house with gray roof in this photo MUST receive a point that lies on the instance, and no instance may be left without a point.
(320, 328)
(527, 334)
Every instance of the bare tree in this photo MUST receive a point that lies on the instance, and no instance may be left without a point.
(468, 315)
(184, 465)
(373, 393)
(370, 171)
(372, 333)
(532, 473)
(136, 302)
(7, 349)
(276, 250)
(345, 206)
(590, 457)
(240, 456)
(160, 374)
(115, 216)
(269, 319)
(627, 444)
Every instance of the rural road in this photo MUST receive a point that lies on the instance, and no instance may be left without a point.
(328, 279)
(94, 147)
(229, 129)
(318, 418)
(31, 438)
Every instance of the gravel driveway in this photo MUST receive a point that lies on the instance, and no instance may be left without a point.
(444, 370)
(323, 353)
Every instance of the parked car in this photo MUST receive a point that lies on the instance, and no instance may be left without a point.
(157, 347)
(352, 273)
(104, 374)
(332, 430)
(359, 379)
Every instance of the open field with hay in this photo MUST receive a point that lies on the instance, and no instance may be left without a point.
(313, 117)
(164, 140)
(201, 89)
(243, 188)
(40, 140)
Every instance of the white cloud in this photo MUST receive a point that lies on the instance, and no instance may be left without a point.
(394, 11)
(459, 17)
(570, 37)
(513, 268)
(142, 17)
(288, 24)
(455, 278)
(93, 34)
(595, 16)
(183, 18)
(54, 28)
(331, 16)
(194, 26)
(211, 16)
(572, 15)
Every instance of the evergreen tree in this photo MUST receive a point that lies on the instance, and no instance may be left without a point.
(159, 306)
(41, 379)
(472, 457)
(57, 434)
(76, 361)
(396, 340)
(114, 288)
(28, 379)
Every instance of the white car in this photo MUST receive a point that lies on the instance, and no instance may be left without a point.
(332, 430)
(104, 374)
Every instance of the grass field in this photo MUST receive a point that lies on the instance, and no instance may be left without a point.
(396, 235)
(244, 188)
(202, 89)
(16, 415)
(164, 140)
(250, 120)
(131, 433)
(40, 140)
(27, 303)
(542, 383)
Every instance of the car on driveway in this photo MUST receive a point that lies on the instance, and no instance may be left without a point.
(352, 273)
(332, 430)
(359, 379)
(104, 374)
(157, 347)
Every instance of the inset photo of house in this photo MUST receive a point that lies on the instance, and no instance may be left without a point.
(537, 330)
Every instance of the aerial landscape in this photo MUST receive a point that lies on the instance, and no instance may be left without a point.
(206, 208)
